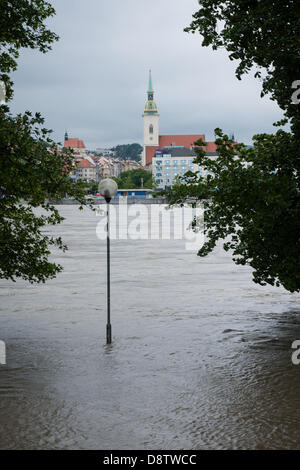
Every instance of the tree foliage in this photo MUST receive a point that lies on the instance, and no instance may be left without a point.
(251, 200)
(133, 179)
(22, 26)
(32, 173)
(260, 34)
(91, 187)
(251, 196)
(32, 169)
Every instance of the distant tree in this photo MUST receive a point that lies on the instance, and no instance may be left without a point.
(32, 169)
(135, 179)
(128, 152)
(91, 188)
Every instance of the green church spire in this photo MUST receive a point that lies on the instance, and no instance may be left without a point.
(150, 89)
(150, 107)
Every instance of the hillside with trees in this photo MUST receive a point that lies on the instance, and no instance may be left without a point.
(128, 152)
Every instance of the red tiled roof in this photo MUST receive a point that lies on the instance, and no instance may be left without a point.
(74, 143)
(84, 164)
(210, 147)
(186, 141)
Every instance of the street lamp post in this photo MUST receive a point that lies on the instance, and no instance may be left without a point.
(108, 188)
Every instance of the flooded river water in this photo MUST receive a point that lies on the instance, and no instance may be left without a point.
(200, 359)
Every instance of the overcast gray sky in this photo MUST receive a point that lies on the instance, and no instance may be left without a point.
(93, 83)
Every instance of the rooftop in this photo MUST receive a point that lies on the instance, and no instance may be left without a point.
(85, 164)
(186, 141)
(74, 143)
(183, 152)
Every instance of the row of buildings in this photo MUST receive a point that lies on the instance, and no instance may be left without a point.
(167, 156)
(92, 167)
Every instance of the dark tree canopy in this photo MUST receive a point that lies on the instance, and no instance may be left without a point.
(32, 172)
(251, 195)
(252, 204)
(22, 26)
(133, 179)
(260, 34)
(32, 169)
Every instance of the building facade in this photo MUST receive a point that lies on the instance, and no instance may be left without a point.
(170, 163)
(86, 170)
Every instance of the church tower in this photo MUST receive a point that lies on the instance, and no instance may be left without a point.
(150, 117)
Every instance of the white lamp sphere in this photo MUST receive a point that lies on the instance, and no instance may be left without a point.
(108, 188)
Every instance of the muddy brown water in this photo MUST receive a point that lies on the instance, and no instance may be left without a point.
(201, 357)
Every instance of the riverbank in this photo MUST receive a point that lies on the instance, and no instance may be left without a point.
(128, 200)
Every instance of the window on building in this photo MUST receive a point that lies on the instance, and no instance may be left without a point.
(150, 129)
